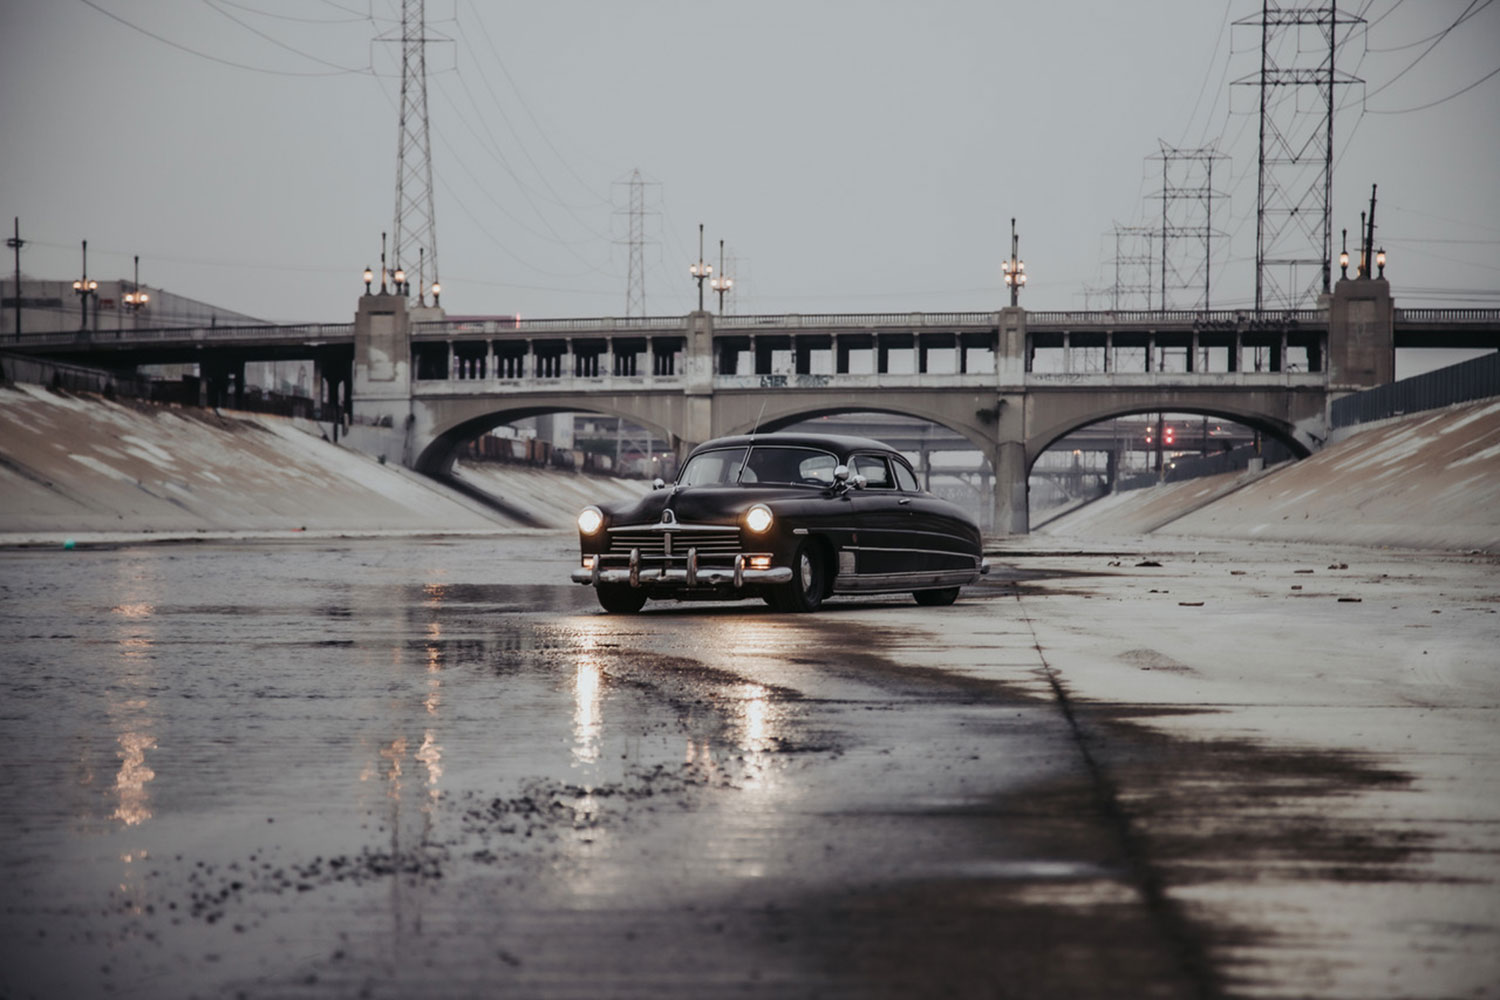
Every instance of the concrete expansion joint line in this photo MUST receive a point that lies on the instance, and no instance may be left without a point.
(1164, 911)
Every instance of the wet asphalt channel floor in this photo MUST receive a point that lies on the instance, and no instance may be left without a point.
(433, 768)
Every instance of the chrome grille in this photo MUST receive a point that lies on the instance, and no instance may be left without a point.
(653, 543)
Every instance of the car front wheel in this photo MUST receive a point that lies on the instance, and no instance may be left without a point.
(620, 598)
(936, 598)
(804, 592)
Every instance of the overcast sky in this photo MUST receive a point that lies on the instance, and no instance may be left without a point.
(855, 155)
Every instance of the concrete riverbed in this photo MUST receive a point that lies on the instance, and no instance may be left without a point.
(279, 720)
(427, 767)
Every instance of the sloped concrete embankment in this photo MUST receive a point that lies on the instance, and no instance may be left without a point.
(1427, 481)
(87, 467)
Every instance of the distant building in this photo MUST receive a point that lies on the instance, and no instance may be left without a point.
(50, 307)
(53, 307)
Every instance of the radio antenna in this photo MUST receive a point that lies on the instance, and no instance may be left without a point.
(757, 418)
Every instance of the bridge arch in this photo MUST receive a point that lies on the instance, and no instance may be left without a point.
(442, 444)
(797, 410)
(1297, 440)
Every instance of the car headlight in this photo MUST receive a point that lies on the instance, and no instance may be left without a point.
(758, 518)
(590, 520)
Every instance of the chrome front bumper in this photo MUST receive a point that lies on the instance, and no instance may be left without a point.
(689, 576)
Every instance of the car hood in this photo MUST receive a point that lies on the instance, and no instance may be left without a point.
(701, 504)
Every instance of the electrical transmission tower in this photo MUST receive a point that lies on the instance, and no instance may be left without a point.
(1187, 182)
(1294, 224)
(636, 212)
(736, 269)
(1133, 263)
(415, 232)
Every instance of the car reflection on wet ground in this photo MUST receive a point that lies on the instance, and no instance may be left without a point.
(429, 768)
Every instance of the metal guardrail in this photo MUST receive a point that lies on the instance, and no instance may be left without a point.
(74, 378)
(1478, 378)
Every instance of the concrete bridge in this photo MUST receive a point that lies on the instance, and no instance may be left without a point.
(413, 385)
(1009, 382)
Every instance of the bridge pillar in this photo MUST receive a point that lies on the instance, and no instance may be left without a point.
(1008, 454)
(381, 385)
(1361, 335)
(697, 422)
(1011, 512)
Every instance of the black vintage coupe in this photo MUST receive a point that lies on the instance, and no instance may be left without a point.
(791, 518)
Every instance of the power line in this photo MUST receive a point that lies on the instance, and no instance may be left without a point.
(218, 59)
(1438, 36)
(275, 41)
(1441, 100)
(1469, 12)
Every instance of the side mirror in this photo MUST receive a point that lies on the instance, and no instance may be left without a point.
(858, 482)
(657, 483)
(840, 478)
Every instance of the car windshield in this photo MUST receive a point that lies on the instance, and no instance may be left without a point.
(760, 464)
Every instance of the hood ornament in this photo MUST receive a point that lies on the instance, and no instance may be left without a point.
(668, 516)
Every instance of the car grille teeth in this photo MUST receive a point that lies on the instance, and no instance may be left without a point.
(655, 543)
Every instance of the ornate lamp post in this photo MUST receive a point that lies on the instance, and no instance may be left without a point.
(1015, 268)
(1344, 257)
(700, 271)
(722, 283)
(137, 298)
(84, 288)
(369, 279)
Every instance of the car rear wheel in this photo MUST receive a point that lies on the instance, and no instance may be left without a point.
(804, 592)
(936, 598)
(620, 598)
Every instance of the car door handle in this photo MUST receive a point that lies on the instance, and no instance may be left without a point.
(903, 501)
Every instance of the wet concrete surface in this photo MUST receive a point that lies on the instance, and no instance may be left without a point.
(394, 768)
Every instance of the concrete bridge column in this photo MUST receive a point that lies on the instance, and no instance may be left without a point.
(1011, 500)
(1361, 335)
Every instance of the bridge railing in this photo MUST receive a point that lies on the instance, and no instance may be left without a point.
(1226, 318)
(206, 334)
(594, 324)
(854, 321)
(1477, 316)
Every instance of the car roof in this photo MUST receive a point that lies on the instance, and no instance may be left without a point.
(839, 444)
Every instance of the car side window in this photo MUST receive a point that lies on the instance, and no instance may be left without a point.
(818, 469)
(719, 466)
(905, 478)
(873, 467)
